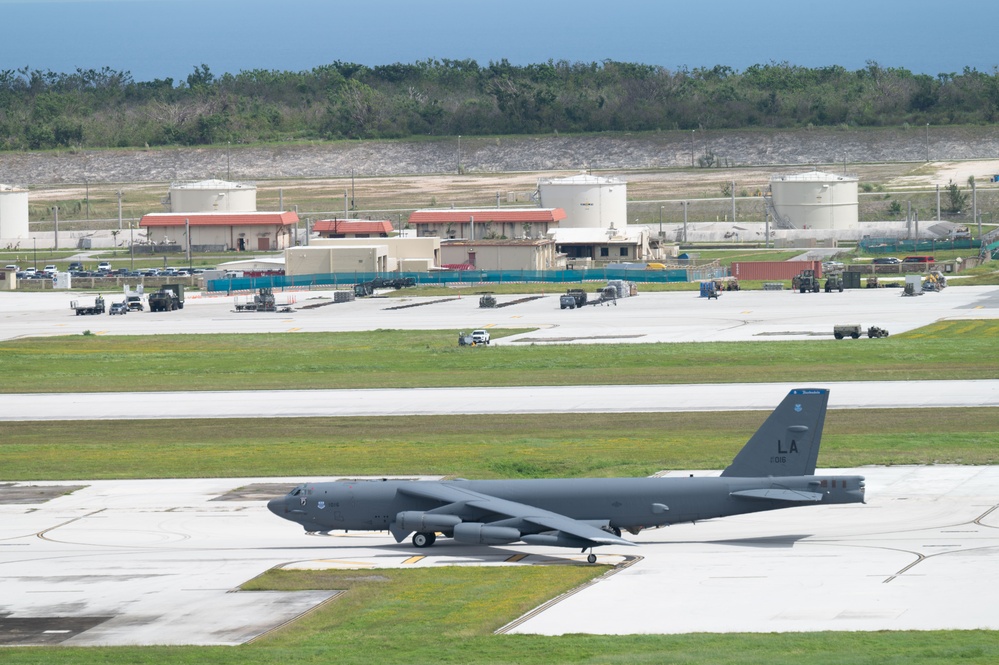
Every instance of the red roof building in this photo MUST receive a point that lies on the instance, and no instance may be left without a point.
(487, 223)
(352, 228)
(214, 231)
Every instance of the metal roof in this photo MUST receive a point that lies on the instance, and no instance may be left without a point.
(286, 218)
(352, 226)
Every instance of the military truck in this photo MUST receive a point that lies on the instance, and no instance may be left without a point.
(167, 299)
(806, 281)
(579, 295)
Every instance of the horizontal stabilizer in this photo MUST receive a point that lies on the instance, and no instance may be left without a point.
(778, 495)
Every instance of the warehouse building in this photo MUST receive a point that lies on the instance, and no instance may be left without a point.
(486, 223)
(222, 231)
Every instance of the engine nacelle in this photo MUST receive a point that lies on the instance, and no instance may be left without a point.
(415, 520)
(476, 533)
(556, 540)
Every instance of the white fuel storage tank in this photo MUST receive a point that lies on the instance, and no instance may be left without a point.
(213, 196)
(13, 212)
(589, 201)
(816, 200)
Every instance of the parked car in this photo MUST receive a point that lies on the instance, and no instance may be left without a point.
(13, 267)
(75, 266)
(918, 259)
(118, 308)
(104, 266)
(886, 260)
(480, 337)
(50, 269)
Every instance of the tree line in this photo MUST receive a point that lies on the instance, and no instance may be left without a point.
(108, 109)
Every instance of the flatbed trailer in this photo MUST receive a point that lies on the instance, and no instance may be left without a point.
(85, 310)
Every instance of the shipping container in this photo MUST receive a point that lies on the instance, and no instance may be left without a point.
(770, 271)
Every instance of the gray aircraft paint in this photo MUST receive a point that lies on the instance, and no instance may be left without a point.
(774, 470)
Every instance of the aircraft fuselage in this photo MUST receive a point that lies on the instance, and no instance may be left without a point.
(628, 504)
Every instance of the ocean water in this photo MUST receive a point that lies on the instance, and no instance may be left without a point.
(155, 39)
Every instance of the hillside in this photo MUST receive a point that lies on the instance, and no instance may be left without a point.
(658, 150)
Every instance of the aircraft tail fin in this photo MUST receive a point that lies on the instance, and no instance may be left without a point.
(787, 444)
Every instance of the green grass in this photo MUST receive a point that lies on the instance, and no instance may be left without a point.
(481, 446)
(449, 615)
(955, 350)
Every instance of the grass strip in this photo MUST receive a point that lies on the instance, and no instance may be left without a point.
(480, 446)
(404, 358)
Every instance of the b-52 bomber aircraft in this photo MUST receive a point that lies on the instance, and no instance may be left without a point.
(774, 470)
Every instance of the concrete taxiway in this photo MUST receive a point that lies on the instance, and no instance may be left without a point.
(159, 562)
(649, 317)
(510, 400)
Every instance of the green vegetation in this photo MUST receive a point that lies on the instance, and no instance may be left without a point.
(433, 358)
(479, 446)
(107, 108)
(449, 615)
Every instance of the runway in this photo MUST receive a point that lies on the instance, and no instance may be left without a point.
(158, 561)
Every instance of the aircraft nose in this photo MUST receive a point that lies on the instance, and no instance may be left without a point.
(276, 506)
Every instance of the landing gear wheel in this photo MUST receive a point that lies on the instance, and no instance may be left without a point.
(424, 539)
(591, 558)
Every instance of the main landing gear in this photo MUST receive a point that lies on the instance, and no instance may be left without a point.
(424, 539)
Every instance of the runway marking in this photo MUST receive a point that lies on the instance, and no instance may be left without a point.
(293, 329)
(518, 316)
(413, 559)
(517, 557)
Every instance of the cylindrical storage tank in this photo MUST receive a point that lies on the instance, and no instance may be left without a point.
(213, 196)
(13, 212)
(589, 201)
(816, 200)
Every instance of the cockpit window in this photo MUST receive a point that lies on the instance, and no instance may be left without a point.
(296, 491)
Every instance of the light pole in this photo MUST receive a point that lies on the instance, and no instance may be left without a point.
(691, 150)
(459, 154)
(34, 245)
(131, 249)
(927, 141)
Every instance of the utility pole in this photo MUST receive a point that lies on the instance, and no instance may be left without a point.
(733, 201)
(685, 204)
(55, 211)
(119, 210)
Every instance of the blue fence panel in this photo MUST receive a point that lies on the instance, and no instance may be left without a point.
(894, 245)
(444, 277)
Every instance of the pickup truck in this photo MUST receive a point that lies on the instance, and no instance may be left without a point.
(480, 337)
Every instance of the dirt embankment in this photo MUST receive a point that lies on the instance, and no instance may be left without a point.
(503, 155)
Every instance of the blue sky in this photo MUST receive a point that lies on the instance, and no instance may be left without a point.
(168, 38)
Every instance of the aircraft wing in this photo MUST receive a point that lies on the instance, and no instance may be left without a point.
(459, 499)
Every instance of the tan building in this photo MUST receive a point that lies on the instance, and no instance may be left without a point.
(487, 223)
(502, 254)
(390, 255)
(320, 260)
(215, 231)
